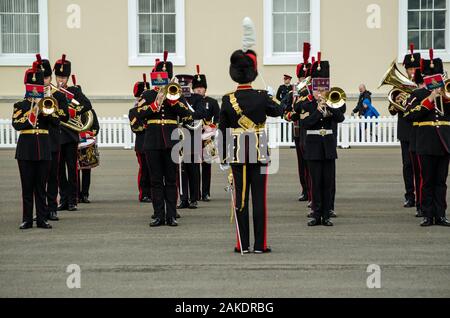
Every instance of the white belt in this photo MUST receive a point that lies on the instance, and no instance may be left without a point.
(321, 132)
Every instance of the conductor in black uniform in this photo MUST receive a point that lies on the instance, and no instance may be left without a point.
(68, 165)
(212, 109)
(55, 139)
(33, 152)
(284, 89)
(138, 127)
(242, 126)
(320, 147)
(430, 108)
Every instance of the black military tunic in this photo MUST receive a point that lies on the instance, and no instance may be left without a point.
(33, 154)
(299, 138)
(433, 148)
(69, 153)
(138, 127)
(212, 117)
(55, 144)
(161, 136)
(247, 152)
(410, 174)
(320, 151)
(192, 154)
(283, 91)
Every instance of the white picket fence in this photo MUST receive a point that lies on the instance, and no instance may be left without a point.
(353, 132)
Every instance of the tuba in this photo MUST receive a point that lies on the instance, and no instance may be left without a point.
(402, 86)
(80, 123)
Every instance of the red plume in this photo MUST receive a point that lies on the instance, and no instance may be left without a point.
(319, 59)
(63, 60)
(306, 52)
(35, 66)
(298, 69)
(166, 55)
(144, 76)
(411, 48)
(157, 62)
(421, 65)
(198, 69)
(432, 58)
(74, 80)
(39, 58)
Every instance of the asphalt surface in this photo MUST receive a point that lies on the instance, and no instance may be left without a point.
(120, 256)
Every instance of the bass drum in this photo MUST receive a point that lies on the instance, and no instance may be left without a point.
(88, 155)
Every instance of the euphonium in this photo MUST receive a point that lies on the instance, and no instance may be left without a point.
(172, 92)
(79, 123)
(402, 86)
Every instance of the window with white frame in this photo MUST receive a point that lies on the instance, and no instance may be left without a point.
(156, 26)
(287, 25)
(425, 23)
(23, 31)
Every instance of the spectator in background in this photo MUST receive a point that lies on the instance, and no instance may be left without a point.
(369, 111)
(284, 89)
(364, 94)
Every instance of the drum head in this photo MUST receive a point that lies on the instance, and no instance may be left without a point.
(86, 144)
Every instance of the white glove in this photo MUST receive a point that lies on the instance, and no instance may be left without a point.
(225, 167)
(270, 91)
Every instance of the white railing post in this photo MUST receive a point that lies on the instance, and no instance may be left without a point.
(128, 133)
(345, 133)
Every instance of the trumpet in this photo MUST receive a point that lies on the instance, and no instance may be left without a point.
(403, 87)
(335, 98)
(80, 123)
(172, 92)
(48, 106)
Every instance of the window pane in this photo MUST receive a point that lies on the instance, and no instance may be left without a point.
(414, 4)
(169, 23)
(439, 4)
(413, 37)
(413, 20)
(33, 6)
(33, 43)
(157, 6)
(426, 39)
(426, 20)
(169, 43)
(304, 24)
(157, 43)
(291, 23)
(291, 5)
(144, 43)
(157, 23)
(20, 23)
(291, 42)
(169, 6)
(19, 6)
(7, 23)
(20, 43)
(427, 4)
(439, 40)
(439, 19)
(303, 5)
(144, 6)
(33, 24)
(278, 23)
(7, 43)
(6, 6)
(278, 42)
(302, 38)
(144, 23)
(278, 6)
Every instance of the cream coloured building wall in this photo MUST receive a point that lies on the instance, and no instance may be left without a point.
(99, 50)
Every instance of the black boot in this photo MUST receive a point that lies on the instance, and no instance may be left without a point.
(157, 222)
(314, 222)
(409, 204)
(43, 225)
(327, 222)
(193, 205)
(63, 207)
(53, 216)
(427, 222)
(183, 205)
(172, 222)
(442, 221)
(303, 198)
(84, 199)
(26, 225)
(419, 213)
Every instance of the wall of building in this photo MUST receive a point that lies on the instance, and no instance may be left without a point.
(99, 50)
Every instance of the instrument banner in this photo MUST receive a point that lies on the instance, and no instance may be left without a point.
(34, 91)
(435, 81)
(160, 78)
